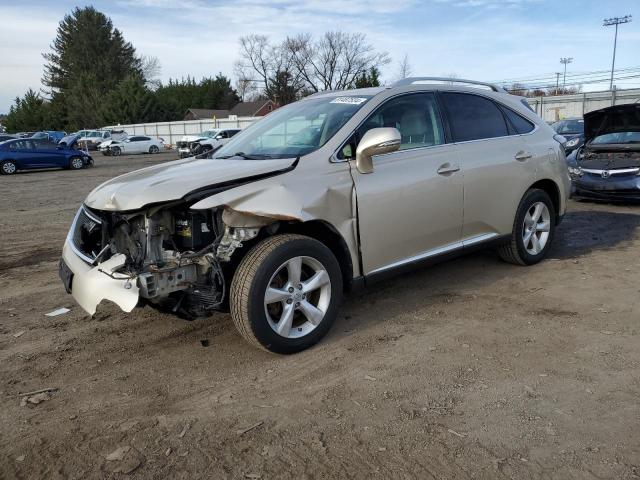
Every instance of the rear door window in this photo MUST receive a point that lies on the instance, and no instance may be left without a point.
(473, 117)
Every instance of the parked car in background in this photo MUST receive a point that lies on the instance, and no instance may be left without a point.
(131, 145)
(91, 139)
(24, 134)
(573, 130)
(53, 136)
(34, 153)
(4, 137)
(277, 224)
(70, 141)
(184, 145)
(211, 144)
(607, 166)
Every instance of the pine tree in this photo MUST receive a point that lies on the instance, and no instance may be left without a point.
(87, 44)
(368, 79)
(29, 113)
(131, 102)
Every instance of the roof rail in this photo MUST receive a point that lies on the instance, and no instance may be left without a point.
(413, 80)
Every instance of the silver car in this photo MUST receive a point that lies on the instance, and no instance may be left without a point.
(322, 196)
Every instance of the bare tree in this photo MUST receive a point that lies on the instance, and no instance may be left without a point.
(268, 65)
(404, 68)
(302, 64)
(335, 60)
(151, 70)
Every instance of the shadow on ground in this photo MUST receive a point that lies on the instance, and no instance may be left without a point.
(583, 232)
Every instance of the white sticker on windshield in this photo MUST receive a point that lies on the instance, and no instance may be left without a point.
(349, 100)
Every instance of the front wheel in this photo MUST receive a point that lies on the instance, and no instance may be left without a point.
(153, 149)
(286, 293)
(8, 167)
(533, 230)
(76, 163)
(115, 151)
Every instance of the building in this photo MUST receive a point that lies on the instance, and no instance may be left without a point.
(258, 108)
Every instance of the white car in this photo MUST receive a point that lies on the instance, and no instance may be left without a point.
(214, 143)
(184, 145)
(131, 145)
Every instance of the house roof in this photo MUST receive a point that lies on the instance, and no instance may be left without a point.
(205, 113)
(248, 109)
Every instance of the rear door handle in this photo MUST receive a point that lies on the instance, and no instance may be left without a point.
(447, 168)
(521, 156)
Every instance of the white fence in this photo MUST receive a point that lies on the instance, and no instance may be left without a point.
(564, 106)
(172, 132)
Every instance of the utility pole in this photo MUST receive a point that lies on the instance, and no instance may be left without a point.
(557, 81)
(607, 23)
(565, 61)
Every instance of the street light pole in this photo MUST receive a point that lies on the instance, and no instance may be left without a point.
(607, 23)
(557, 81)
(565, 61)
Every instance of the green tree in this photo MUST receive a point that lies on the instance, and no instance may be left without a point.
(131, 102)
(179, 95)
(87, 44)
(368, 79)
(29, 113)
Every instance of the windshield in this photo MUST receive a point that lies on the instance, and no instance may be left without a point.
(295, 130)
(208, 133)
(569, 127)
(617, 138)
(40, 135)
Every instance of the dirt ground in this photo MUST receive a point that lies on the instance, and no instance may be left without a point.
(469, 369)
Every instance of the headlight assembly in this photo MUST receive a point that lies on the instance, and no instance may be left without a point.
(572, 143)
(575, 171)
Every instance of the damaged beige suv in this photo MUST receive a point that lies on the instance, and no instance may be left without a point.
(320, 197)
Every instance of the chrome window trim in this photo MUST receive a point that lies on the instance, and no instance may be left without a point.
(334, 156)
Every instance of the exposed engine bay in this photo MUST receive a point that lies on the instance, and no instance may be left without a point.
(174, 255)
(609, 157)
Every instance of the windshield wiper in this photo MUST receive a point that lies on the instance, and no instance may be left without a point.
(259, 156)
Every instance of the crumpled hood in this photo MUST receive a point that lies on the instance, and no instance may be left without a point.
(173, 180)
(619, 118)
(192, 138)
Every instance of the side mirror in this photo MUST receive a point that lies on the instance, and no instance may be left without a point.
(218, 137)
(376, 142)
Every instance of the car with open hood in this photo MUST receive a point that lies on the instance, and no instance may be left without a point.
(39, 153)
(322, 196)
(608, 165)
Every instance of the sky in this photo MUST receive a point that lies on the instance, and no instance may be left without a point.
(487, 40)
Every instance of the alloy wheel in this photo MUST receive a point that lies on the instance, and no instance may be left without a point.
(535, 231)
(76, 163)
(9, 168)
(297, 297)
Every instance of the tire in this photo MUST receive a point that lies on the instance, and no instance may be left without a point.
(532, 222)
(153, 149)
(8, 167)
(267, 264)
(76, 163)
(115, 151)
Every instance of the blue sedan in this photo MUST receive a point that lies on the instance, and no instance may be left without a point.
(29, 154)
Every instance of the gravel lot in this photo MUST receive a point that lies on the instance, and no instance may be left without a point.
(470, 369)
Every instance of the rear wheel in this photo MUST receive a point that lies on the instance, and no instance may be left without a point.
(286, 293)
(115, 151)
(154, 149)
(76, 163)
(533, 230)
(8, 167)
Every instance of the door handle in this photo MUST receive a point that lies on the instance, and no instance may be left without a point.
(521, 156)
(447, 168)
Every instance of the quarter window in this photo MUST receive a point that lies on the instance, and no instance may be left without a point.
(520, 124)
(415, 116)
(473, 117)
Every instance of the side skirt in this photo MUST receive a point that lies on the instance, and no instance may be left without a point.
(427, 259)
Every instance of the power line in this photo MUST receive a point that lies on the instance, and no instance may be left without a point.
(551, 77)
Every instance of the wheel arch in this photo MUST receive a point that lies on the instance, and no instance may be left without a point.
(551, 188)
(326, 234)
